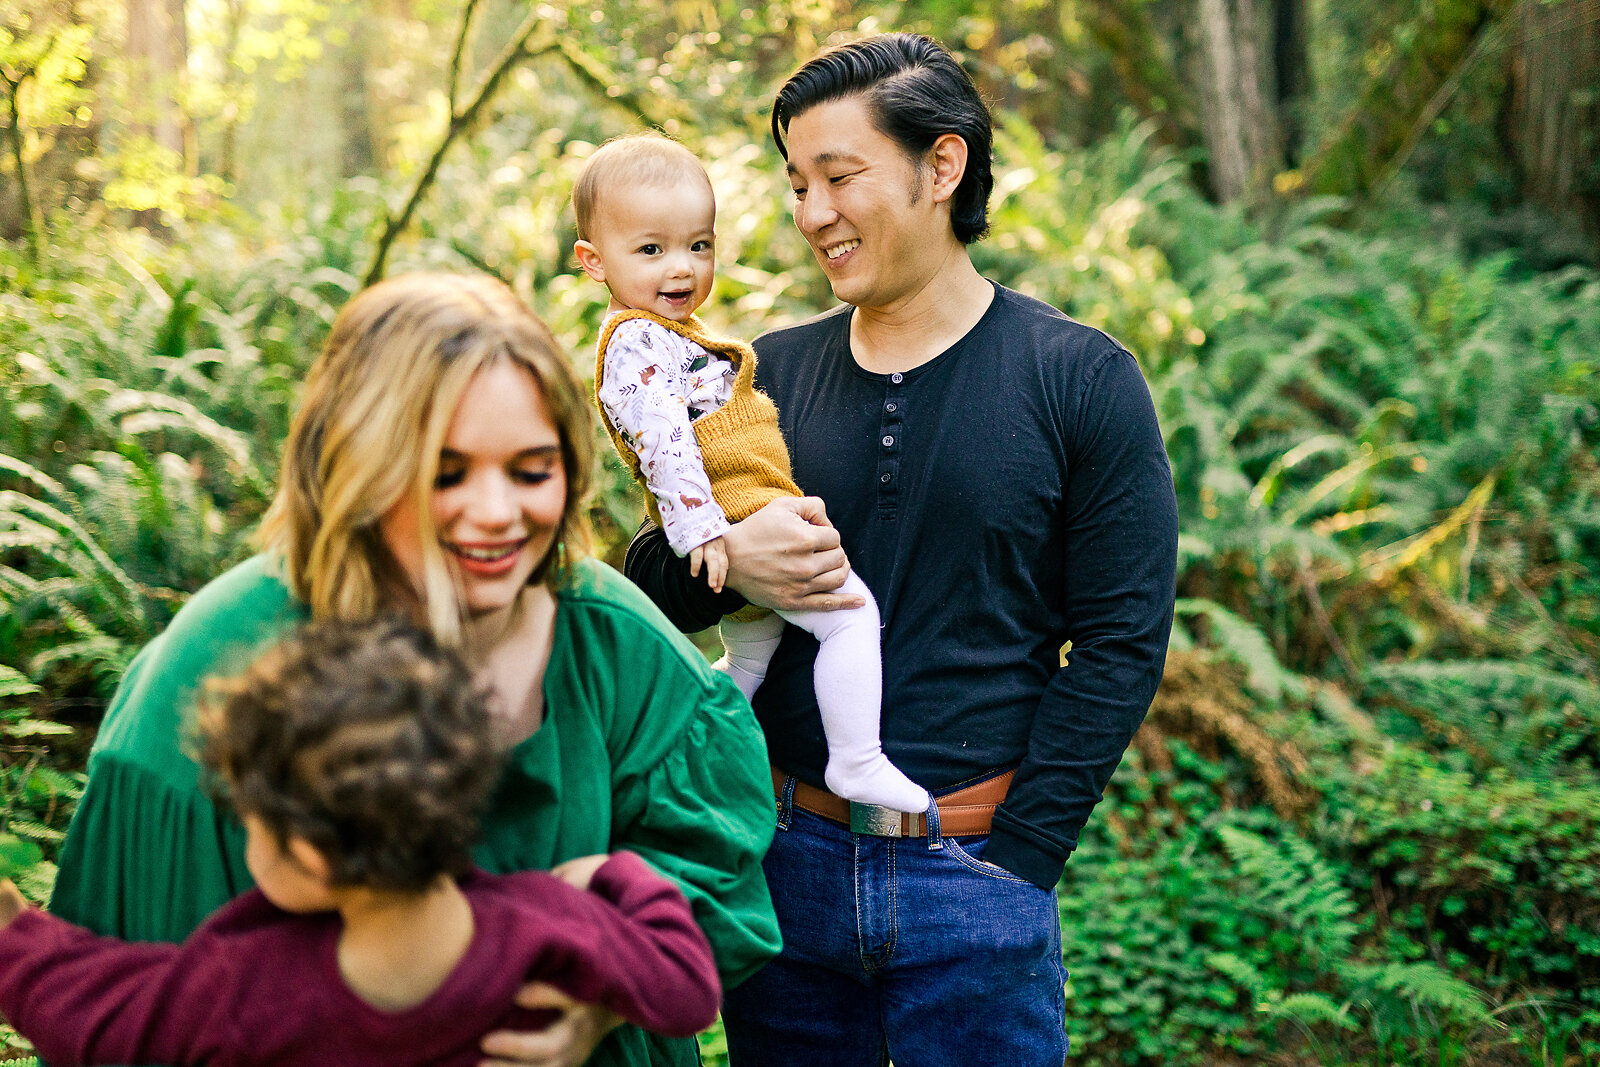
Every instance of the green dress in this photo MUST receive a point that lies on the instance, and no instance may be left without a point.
(642, 747)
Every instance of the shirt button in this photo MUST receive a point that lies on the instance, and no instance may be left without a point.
(884, 477)
(890, 406)
(888, 440)
(897, 377)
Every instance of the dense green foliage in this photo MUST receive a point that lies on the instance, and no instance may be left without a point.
(1363, 819)
(1362, 823)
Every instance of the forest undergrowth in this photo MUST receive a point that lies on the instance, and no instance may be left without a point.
(1362, 822)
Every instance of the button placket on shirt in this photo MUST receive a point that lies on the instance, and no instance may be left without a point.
(890, 422)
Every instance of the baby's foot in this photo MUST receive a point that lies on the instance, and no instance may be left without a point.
(875, 781)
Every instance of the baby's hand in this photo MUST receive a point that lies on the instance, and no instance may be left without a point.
(12, 903)
(714, 553)
(579, 872)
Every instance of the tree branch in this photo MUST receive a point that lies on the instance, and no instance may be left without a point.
(462, 119)
(603, 82)
(32, 217)
(462, 36)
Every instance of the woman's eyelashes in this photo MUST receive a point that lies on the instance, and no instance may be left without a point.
(531, 476)
(450, 479)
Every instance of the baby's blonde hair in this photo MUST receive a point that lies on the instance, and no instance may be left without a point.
(378, 402)
(637, 159)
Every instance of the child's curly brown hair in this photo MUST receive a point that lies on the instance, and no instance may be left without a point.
(369, 740)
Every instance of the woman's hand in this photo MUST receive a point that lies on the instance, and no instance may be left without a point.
(580, 872)
(787, 556)
(567, 1042)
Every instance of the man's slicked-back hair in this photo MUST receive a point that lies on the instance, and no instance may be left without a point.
(915, 93)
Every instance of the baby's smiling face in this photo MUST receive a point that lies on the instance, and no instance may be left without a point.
(654, 247)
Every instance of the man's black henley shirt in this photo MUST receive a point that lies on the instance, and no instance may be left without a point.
(1007, 496)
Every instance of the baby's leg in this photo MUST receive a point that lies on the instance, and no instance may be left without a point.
(849, 685)
(749, 647)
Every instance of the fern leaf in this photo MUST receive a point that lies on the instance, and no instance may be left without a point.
(1243, 641)
(1309, 1009)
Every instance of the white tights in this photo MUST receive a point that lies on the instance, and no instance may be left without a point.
(848, 679)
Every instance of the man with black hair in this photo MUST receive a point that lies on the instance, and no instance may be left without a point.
(996, 473)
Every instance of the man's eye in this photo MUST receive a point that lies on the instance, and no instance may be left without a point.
(800, 194)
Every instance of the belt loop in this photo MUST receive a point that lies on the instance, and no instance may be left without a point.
(786, 802)
(935, 840)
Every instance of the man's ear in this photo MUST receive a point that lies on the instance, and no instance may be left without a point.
(310, 857)
(949, 158)
(589, 259)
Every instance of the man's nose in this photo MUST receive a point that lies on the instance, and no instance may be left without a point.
(814, 212)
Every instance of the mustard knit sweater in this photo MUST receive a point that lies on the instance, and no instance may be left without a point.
(740, 443)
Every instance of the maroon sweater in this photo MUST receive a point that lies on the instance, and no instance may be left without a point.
(256, 985)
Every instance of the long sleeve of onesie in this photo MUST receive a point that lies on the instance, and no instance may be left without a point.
(655, 385)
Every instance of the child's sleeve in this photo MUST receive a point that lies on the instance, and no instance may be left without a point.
(643, 395)
(642, 956)
(84, 999)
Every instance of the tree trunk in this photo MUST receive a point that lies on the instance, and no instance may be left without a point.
(232, 90)
(1240, 126)
(1555, 109)
(157, 54)
(28, 208)
(1291, 67)
(1143, 66)
(1426, 59)
(359, 154)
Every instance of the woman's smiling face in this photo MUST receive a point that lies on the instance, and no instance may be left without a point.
(499, 495)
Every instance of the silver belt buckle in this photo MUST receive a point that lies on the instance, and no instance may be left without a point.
(874, 819)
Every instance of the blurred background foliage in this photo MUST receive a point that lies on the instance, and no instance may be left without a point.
(1354, 247)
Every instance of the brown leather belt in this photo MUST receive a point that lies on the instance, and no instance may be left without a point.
(962, 813)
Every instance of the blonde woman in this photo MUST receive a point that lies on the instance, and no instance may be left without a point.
(436, 466)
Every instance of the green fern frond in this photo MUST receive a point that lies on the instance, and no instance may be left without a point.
(1243, 641)
(13, 683)
(1241, 971)
(1425, 984)
(1309, 1009)
(12, 465)
(37, 832)
(103, 572)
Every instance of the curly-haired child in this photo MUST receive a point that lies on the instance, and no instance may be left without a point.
(359, 757)
(685, 415)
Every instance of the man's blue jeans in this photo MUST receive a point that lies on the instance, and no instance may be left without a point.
(910, 948)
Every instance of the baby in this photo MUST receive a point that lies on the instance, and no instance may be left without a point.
(682, 409)
(359, 758)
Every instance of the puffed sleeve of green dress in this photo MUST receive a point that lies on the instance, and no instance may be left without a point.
(642, 747)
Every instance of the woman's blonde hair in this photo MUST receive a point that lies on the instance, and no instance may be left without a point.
(378, 402)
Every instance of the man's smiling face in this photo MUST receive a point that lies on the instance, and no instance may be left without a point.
(864, 205)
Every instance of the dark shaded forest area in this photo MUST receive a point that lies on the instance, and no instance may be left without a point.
(1356, 248)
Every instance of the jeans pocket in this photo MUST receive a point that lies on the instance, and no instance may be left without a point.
(971, 857)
